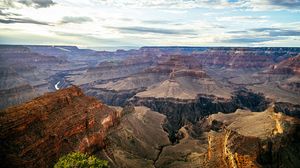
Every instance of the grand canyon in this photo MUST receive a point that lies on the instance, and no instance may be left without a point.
(149, 83)
(152, 106)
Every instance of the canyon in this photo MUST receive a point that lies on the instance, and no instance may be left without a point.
(152, 106)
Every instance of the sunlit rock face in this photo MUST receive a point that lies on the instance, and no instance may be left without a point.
(37, 133)
(239, 139)
(254, 139)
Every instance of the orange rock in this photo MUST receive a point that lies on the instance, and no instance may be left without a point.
(37, 133)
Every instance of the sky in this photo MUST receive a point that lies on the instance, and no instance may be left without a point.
(112, 23)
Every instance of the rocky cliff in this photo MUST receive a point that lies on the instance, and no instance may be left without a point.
(251, 139)
(236, 140)
(182, 111)
(37, 133)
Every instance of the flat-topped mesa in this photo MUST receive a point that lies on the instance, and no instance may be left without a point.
(191, 73)
(185, 79)
(180, 60)
(177, 64)
(37, 133)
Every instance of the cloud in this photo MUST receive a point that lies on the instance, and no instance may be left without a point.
(248, 40)
(11, 20)
(28, 3)
(285, 3)
(37, 3)
(271, 4)
(237, 32)
(2, 13)
(242, 18)
(157, 21)
(140, 29)
(75, 19)
(87, 38)
(277, 32)
(216, 4)
(176, 4)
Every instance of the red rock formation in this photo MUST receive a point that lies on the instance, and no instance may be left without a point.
(239, 58)
(37, 133)
(289, 66)
(254, 139)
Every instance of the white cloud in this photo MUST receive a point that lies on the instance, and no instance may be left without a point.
(157, 22)
(217, 4)
(242, 18)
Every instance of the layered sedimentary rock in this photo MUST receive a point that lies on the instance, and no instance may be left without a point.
(112, 70)
(23, 74)
(240, 139)
(290, 66)
(182, 111)
(171, 72)
(178, 91)
(138, 139)
(185, 80)
(37, 133)
(251, 139)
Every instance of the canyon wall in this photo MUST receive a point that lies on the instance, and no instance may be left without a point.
(37, 133)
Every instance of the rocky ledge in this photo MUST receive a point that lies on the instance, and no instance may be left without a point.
(37, 133)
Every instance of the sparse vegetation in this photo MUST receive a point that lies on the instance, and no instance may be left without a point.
(80, 160)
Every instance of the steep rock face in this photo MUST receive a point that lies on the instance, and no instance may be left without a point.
(240, 57)
(23, 74)
(138, 139)
(22, 54)
(287, 74)
(290, 66)
(112, 97)
(251, 139)
(37, 133)
(288, 109)
(185, 78)
(236, 140)
(112, 70)
(182, 111)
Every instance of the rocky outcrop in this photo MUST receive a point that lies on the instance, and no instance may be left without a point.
(112, 70)
(112, 97)
(184, 79)
(182, 111)
(288, 109)
(23, 74)
(290, 66)
(138, 139)
(235, 140)
(37, 133)
(243, 58)
(250, 139)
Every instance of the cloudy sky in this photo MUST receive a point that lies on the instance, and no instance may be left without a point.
(96, 23)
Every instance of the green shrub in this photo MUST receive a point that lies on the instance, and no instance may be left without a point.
(80, 160)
